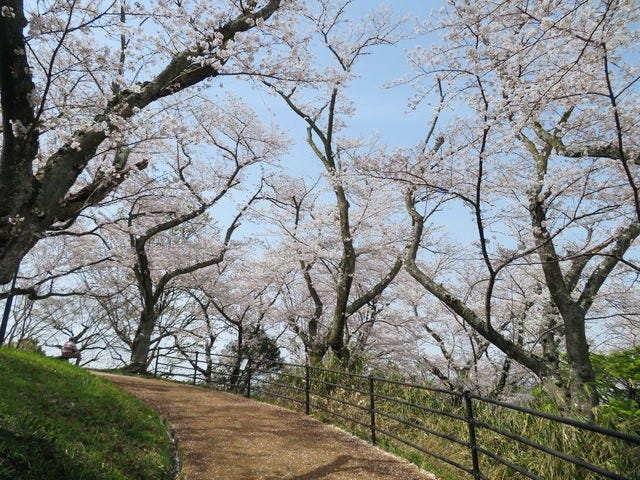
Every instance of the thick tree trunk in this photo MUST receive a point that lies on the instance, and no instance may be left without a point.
(234, 378)
(346, 271)
(19, 142)
(31, 203)
(142, 341)
(555, 385)
(481, 325)
(582, 391)
(581, 388)
(582, 379)
(316, 354)
(548, 336)
(13, 247)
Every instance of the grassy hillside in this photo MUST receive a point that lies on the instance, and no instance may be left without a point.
(58, 421)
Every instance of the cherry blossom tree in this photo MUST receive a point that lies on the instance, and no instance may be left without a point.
(246, 311)
(26, 327)
(543, 155)
(324, 110)
(308, 262)
(53, 269)
(80, 83)
(230, 304)
(201, 335)
(114, 301)
(169, 218)
(120, 163)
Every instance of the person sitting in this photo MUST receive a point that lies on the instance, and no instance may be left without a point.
(70, 350)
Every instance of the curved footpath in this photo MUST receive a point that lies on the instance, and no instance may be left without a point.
(228, 437)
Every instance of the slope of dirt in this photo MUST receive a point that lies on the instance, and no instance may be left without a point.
(228, 437)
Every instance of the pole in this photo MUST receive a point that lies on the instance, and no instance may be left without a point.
(155, 367)
(307, 390)
(248, 369)
(7, 307)
(472, 435)
(195, 369)
(372, 410)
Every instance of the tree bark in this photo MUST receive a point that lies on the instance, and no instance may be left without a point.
(142, 341)
(581, 389)
(483, 326)
(32, 203)
(316, 354)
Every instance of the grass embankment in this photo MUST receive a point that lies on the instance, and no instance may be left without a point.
(59, 421)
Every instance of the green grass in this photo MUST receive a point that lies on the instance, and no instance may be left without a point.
(59, 421)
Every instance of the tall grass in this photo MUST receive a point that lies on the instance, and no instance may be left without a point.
(58, 421)
(413, 413)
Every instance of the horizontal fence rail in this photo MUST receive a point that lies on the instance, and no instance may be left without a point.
(469, 432)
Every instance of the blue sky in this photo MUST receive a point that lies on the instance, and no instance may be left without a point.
(381, 111)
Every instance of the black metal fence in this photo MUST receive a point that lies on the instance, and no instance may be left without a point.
(483, 437)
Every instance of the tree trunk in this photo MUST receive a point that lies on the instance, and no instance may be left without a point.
(316, 354)
(335, 339)
(142, 341)
(582, 379)
(583, 395)
(234, 378)
(32, 203)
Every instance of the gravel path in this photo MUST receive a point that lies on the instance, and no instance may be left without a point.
(228, 437)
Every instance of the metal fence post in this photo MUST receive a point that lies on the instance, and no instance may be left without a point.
(307, 390)
(155, 368)
(248, 370)
(466, 395)
(372, 410)
(195, 369)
